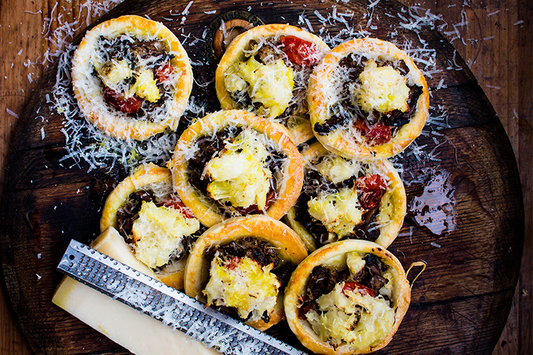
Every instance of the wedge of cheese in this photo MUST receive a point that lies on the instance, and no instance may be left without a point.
(114, 319)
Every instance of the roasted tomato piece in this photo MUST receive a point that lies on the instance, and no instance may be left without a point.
(357, 287)
(361, 126)
(233, 263)
(163, 72)
(121, 103)
(376, 134)
(299, 51)
(372, 188)
(379, 134)
(174, 202)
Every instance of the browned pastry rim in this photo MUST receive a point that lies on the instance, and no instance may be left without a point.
(288, 245)
(323, 256)
(340, 141)
(206, 210)
(88, 91)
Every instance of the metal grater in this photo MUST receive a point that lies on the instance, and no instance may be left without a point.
(165, 304)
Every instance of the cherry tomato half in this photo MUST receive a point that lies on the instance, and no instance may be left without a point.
(357, 287)
(119, 102)
(300, 52)
(372, 188)
(175, 203)
(163, 72)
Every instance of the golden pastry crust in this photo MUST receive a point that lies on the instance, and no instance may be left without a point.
(392, 209)
(341, 141)
(142, 178)
(207, 210)
(88, 89)
(329, 255)
(288, 245)
(299, 127)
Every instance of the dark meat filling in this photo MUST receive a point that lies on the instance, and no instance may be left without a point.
(209, 147)
(129, 212)
(260, 251)
(123, 47)
(323, 280)
(315, 184)
(378, 128)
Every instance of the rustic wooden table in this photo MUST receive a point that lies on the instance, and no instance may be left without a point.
(494, 38)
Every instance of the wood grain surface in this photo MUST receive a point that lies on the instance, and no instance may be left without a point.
(495, 41)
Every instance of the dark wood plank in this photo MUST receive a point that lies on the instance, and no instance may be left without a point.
(471, 270)
(443, 328)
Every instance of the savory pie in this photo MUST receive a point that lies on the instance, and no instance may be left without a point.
(348, 297)
(153, 221)
(131, 77)
(234, 163)
(266, 70)
(367, 99)
(347, 199)
(243, 265)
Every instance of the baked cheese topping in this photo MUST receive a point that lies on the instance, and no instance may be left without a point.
(238, 175)
(270, 84)
(351, 317)
(339, 212)
(114, 73)
(241, 283)
(337, 169)
(355, 262)
(158, 232)
(146, 86)
(382, 89)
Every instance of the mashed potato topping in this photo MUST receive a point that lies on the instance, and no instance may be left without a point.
(268, 84)
(339, 212)
(159, 231)
(243, 284)
(382, 89)
(238, 175)
(352, 317)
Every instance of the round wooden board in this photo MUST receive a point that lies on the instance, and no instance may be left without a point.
(471, 241)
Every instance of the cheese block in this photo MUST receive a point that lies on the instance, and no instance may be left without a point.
(114, 319)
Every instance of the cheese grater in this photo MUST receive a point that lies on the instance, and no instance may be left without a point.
(166, 304)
